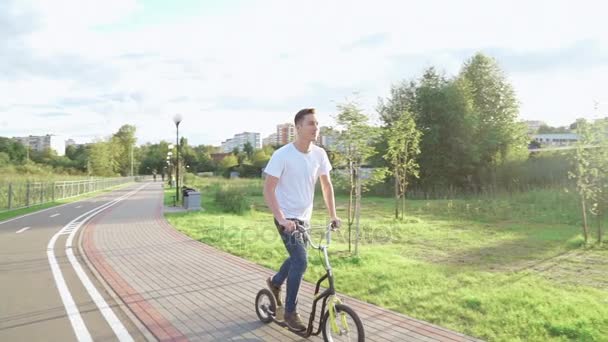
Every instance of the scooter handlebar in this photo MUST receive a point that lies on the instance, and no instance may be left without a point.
(302, 230)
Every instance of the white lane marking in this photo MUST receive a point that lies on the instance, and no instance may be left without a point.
(82, 333)
(55, 215)
(34, 213)
(119, 329)
(79, 207)
(22, 230)
(80, 329)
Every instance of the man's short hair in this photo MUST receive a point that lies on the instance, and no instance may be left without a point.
(302, 113)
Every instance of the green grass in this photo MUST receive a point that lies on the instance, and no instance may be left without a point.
(505, 269)
(5, 215)
(169, 195)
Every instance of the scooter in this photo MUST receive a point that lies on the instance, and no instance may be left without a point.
(338, 322)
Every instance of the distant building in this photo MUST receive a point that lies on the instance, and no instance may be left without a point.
(40, 143)
(270, 140)
(286, 133)
(326, 138)
(556, 139)
(239, 140)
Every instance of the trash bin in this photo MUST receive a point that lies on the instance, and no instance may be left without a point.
(191, 198)
(194, 200)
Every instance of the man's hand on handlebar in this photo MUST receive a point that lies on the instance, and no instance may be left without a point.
(335, 223)
(288, 226)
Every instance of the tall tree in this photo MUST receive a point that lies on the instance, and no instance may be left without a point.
(402, 98)
(403, 140)
(79, 154)
(123, 145)
(591, 173)
(188, 157)
(205, 162)
(355, 141)
(153, 158)
(598, 152)
(443, 115)
(101, 159)
(248, 149)
(498, 134)
(14, 149)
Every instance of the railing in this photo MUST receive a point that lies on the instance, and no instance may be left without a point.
(17, 195)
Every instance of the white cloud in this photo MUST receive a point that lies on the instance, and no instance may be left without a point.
(278, 57)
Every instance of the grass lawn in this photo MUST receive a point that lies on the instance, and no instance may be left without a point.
(502, 269)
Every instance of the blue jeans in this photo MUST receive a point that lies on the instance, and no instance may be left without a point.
(293, 267)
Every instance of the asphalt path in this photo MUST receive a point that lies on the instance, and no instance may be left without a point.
(47, 292)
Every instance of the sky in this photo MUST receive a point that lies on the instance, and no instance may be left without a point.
(81, 68)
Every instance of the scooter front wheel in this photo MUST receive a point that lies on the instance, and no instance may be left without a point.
(265, 305)
(348, 326)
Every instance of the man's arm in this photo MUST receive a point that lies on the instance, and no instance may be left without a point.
(271, 201)
(328, 196)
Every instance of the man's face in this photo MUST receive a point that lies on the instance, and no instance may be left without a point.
(308, 128)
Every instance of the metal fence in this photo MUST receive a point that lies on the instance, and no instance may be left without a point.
(17, 195)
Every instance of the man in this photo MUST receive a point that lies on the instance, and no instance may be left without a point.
(289, 189)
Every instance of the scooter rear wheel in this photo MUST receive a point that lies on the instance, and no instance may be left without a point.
(265, 305)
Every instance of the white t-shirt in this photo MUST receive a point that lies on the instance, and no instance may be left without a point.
(297, 173)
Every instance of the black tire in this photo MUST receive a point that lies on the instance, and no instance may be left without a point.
(352, 317)
(265, 297)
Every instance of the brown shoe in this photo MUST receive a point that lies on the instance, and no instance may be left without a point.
(276, 291)
(294, 321)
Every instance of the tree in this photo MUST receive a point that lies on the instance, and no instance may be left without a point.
(599, 159)
(497, 132)
(153, 157)
(228, 161)
(14, 149)
(79, 154)
(187, 156)
(403, 140)
(46, 156)
(248, 149)
(203, 154)
(591, 173)
(122, 144)
(573, 126)
(545, 129)
(268, 149)
(101, 159)
(355, 140)
(402, 98)
(260, 159)
(443, 113)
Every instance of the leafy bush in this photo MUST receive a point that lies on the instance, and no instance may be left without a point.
(231, 199)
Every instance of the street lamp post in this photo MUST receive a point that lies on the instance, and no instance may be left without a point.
(177, 119)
